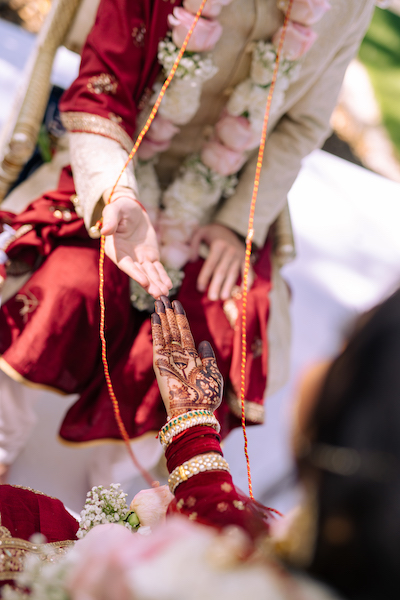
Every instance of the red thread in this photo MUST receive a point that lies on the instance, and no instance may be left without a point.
(249, 238)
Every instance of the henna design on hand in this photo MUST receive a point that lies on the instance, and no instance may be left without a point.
(188, 380)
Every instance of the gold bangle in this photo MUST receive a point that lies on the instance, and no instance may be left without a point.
(185, 421)
(196, 465)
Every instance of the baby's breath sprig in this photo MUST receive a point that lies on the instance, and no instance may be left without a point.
(106, 506)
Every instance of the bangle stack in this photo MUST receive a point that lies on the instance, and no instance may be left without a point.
(185, 421)
(196, 465)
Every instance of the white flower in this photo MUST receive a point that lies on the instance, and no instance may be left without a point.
(181, 101)
(238, 103)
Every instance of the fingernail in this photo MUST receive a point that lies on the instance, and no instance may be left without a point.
(155, 319)
(159, 306)
(178, 308)
(205, 350)
(166, 301)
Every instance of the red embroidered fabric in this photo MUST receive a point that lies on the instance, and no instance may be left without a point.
(211, 497)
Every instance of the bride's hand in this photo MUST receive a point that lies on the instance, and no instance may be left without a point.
(131, 243)
(188, 380)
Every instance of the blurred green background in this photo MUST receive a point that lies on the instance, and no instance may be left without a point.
(380, 53)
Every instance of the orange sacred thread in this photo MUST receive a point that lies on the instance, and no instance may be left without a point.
(249, 239)
(117, 413)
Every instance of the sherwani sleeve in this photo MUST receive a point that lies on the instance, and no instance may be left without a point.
(303, 127)
(94, 172)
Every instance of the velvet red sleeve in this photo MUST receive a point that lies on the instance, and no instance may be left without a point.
(122, 50)
(211, 497)
(25, 512)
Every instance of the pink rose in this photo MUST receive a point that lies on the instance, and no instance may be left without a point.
(161, 130)
(205, 35)
(211, 9)
(298, 40)
(151, 505)
(105, 554)
(221, 159)
(236, 133)
(308, 12)
(149, 149)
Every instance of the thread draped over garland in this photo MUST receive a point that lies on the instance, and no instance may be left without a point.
(249, 238)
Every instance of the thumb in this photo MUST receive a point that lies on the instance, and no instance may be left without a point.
(110, 219)
(195, 244)
(205, 350)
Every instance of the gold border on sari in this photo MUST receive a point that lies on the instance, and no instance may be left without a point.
(87, 123)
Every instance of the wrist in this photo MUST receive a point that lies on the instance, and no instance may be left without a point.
(120, 193)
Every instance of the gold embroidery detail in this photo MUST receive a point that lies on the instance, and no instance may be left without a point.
(222, 506)
(193, 516)
(226, 487)
(88, 123)
(13, 552)
(180, 504)
(238, 504)
(102, 84)
(30, 304)
(114, 118)
(254, 412)
(191, 501)
(138, 34)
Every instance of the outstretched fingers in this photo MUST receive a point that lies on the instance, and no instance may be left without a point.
(187, 340)
(173, 326)
(156, 332)
(160, 310)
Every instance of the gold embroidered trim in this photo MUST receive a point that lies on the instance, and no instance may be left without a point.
(18, 233)
(88, 123)
(29, 489)
(14, 551)
(254, 412)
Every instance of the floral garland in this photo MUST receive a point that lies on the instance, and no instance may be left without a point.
(204, 178)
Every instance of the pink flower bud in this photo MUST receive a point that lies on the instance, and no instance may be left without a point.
(298, 40)
(236, 133)
(306, 12)
(161, 130)
(151, 505)
(221, 159)
(205, 35)
(211, 9)
(149, 149)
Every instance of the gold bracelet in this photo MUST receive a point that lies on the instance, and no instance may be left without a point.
(186, 421)
(196, 465)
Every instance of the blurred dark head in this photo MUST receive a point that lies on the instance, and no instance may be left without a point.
(354, 458)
